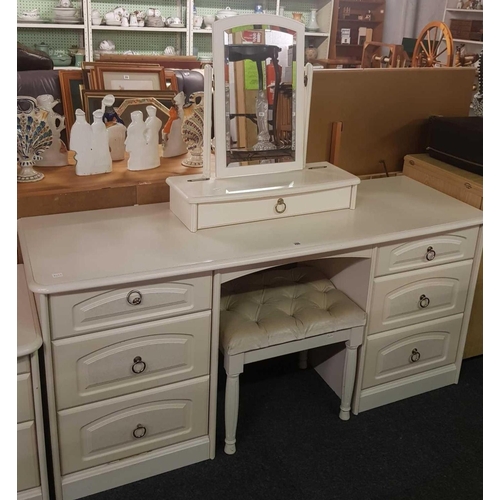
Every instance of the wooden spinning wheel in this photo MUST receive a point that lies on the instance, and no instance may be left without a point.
(434, 41)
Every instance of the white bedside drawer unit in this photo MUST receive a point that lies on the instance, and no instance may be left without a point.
(28, 475)
(237, 212)
(107, 364)
(114, 429)
(23, 365)
(426, 252)
(85, 312)
(410, 350)
(25, 408)
(416, 296)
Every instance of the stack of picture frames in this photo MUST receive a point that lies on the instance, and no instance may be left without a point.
(134, 87)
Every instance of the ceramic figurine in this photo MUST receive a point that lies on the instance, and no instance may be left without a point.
(65, 3)
(192, 130)
(153, 126)
(57, 154)
(81, 134)
(136, 143)
(33, 137)
(101, 156)
(115, 127)
(173, 144)
(460, 4)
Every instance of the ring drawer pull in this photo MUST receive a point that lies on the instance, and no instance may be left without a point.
(424, 301)
(280, 206)
(139, 365)
(415, 356)
(134, 298)
(139, 432)
(431, 254)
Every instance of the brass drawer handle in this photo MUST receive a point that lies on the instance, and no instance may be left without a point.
(280, 206)
(139, 365)
(415, 356)
(431, 254)
(139, 432)
(134, 298)
(424, 301)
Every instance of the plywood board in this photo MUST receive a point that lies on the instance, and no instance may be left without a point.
(383, 112)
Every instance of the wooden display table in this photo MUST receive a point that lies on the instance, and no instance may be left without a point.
(63, 191)
(467, 187)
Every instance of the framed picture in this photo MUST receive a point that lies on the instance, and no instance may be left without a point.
(90, 73)
(72, 86)
(128, 101)
(130, 78)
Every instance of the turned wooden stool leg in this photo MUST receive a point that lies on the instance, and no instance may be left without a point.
(231, 415)
(348, 382)
(303, 360)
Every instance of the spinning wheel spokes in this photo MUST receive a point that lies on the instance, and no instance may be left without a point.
(429, 46)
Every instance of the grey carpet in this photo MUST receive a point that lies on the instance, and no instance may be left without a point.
(291, 445)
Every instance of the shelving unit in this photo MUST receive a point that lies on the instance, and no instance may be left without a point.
(149, 40)
(345, 15)
(451, 13)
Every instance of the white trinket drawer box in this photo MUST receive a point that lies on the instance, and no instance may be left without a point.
(203, 203)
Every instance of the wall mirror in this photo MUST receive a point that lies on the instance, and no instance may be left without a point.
(259, 95)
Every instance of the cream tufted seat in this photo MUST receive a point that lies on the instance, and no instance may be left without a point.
(279, 311)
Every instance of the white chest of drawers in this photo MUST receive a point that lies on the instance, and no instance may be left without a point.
(129, 308)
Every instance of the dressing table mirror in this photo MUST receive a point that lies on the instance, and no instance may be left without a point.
(262, 91)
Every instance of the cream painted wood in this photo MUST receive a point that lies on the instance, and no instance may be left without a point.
(23, 365)
(427, 252)
(28, 475)
(416, 296)
(118, 428)
(78, 313)
(113, 474)
(25, 408)
(348, 381)
(412, 349)
(407, 387)
(237, 212)
(28, 334)
(32, 494)
(106, 364)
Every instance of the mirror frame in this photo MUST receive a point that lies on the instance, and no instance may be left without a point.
(219, 28)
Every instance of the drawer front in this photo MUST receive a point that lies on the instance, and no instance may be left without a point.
(411, 350)
(222, 214)
(416, 296)
(122, 427)
(78, 313)
(427, 252)
(28, 475)
(25, 409)
(102, 365)
(23, 365)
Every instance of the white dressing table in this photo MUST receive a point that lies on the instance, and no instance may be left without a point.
(129, 300)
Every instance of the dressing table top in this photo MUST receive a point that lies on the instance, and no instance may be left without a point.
(75, 251)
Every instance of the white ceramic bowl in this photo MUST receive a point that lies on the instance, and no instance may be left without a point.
(65, 12)
(227, 12)
(97, 21)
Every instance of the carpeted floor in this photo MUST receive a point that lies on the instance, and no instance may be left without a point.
(291, 445)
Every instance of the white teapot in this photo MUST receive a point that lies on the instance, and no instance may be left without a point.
(107, 45)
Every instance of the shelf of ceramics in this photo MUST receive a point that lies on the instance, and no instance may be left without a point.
(51, 26)
(137, 29)
(318, 34)
(468, 11)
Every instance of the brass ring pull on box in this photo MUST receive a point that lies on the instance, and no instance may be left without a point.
(134, 298)
(139, 432)
(139, 365)
(424, 301)
(280, 206)
(415, 356)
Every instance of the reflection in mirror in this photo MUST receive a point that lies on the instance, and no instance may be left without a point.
(260, 82)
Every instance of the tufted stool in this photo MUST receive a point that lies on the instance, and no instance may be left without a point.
(281, 311)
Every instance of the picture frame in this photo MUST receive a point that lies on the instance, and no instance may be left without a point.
(130, 78)
(90, 74)
(72, 87)
(128, 101)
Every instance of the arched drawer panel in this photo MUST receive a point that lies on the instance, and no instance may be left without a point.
(427, 252)
(410, 350)
(415, 296)
(115, 362)
(84, 312)
(122, 427)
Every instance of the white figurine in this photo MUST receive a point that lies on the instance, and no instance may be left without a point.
(80, 138)
(135, 143)
(101, 157)
(173, 143)
(115, 127)
(153, 126)
(56, 155)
